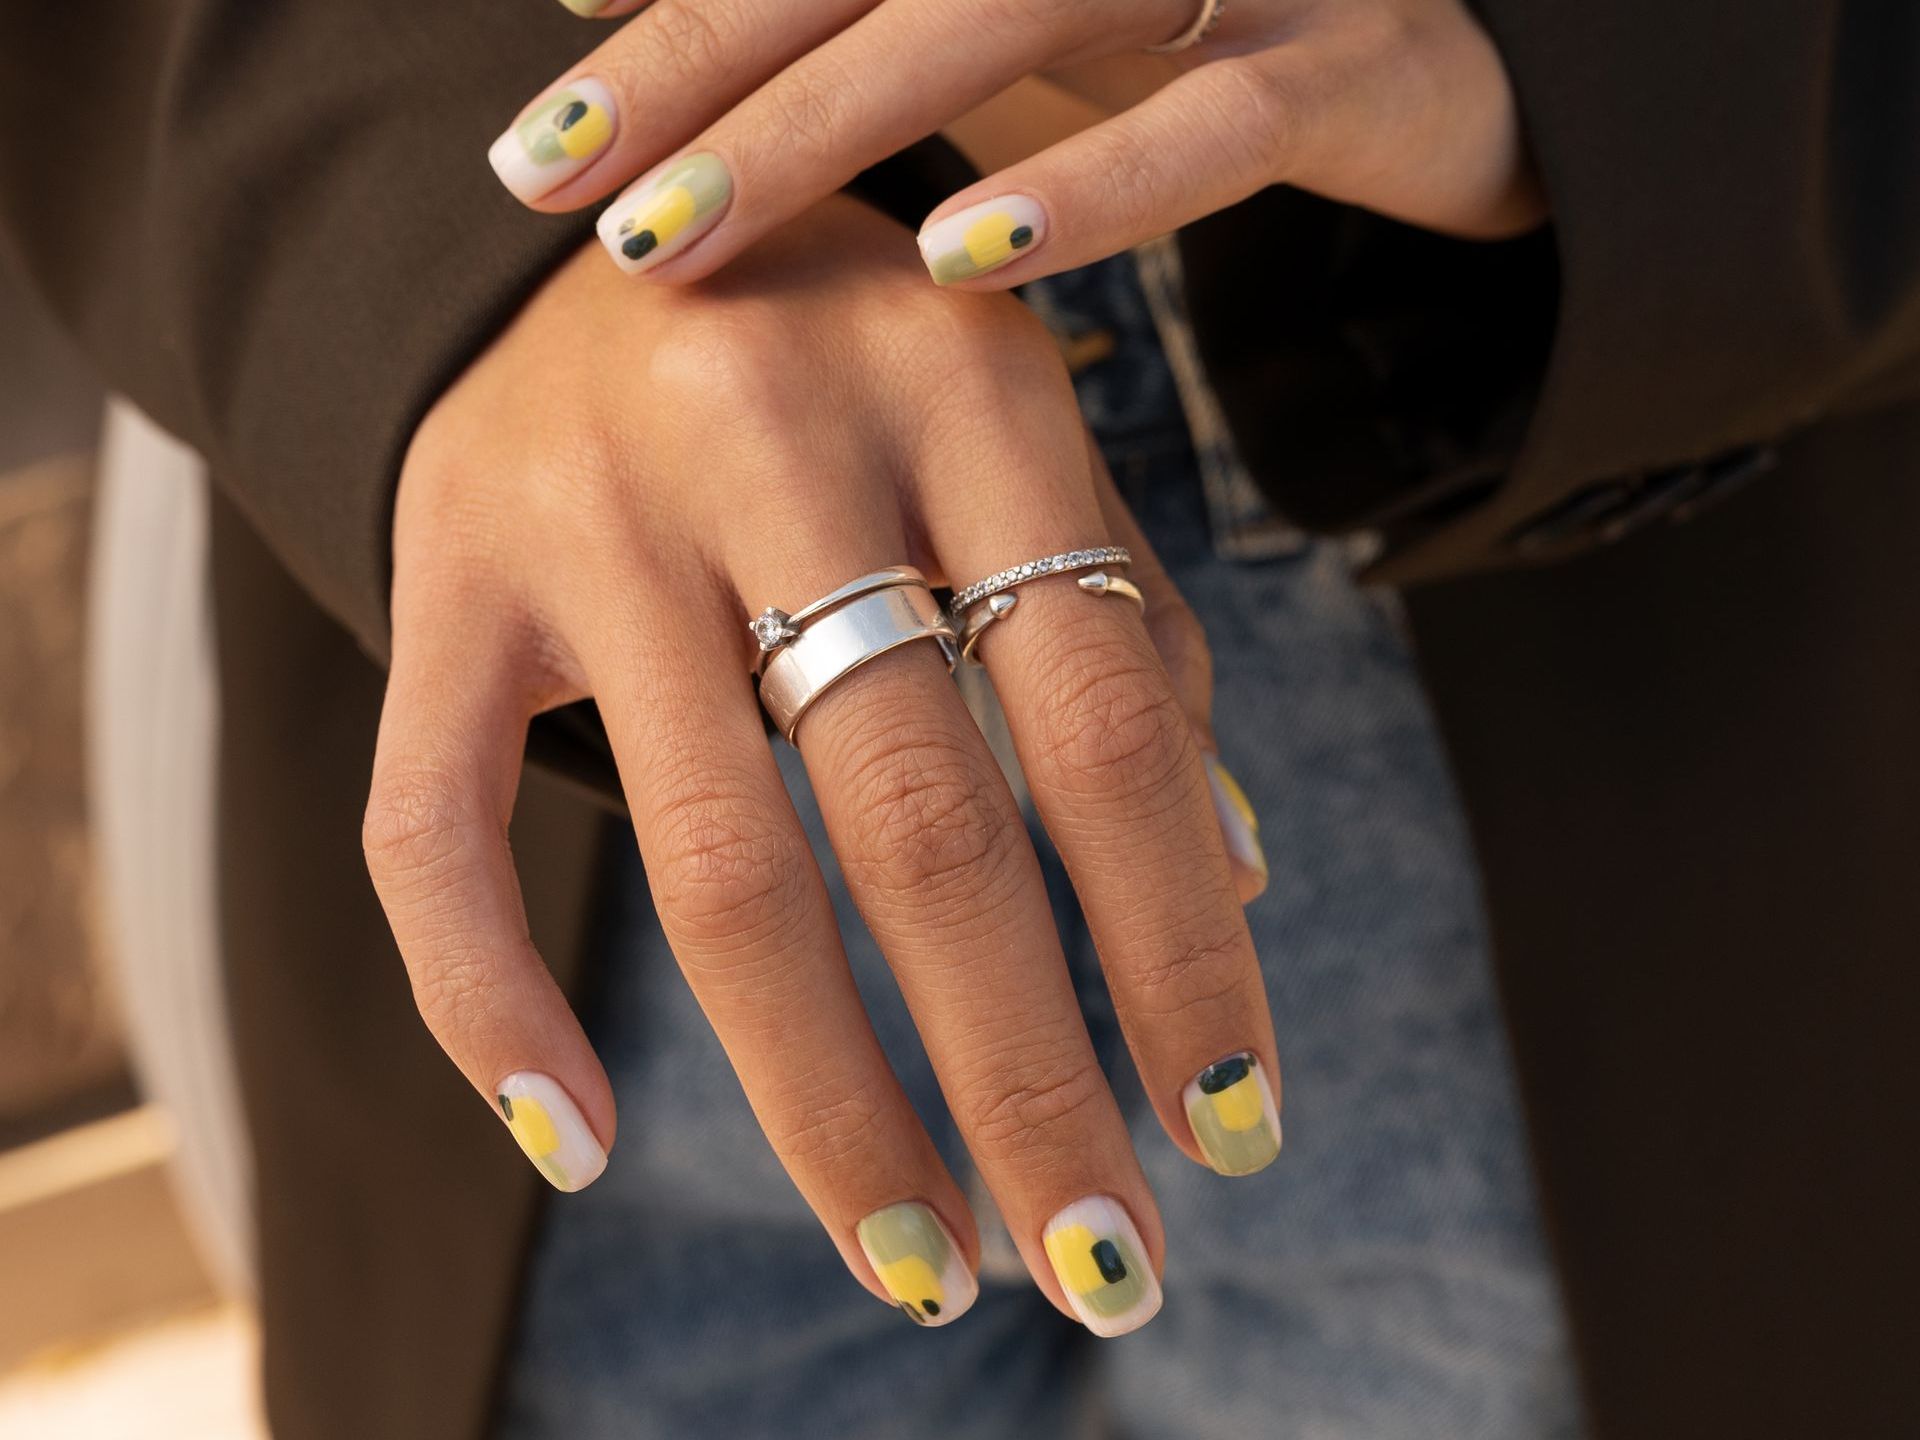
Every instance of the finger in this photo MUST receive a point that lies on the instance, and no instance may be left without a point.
(847, 104)
(1112, 762)
(649, 88)
(936, 855)
(445, 772)
(747, 914)
(1208, 139)
(1181, 642)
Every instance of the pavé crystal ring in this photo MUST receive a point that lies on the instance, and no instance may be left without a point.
(985, 601)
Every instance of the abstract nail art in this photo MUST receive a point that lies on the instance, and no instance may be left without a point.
(1230, 1106)
(557, 138)
(918, 1262)
(1238, 823)
(982, 237)
(550, 1128)
(1102, 1266)
(660, 214)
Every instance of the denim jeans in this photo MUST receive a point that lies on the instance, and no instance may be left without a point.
(1384, 1280)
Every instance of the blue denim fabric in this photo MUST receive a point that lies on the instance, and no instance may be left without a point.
(1383, 1280)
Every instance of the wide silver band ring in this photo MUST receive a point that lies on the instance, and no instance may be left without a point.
(1209, 16)
(774, 628)
(999, 606)
(839, 641)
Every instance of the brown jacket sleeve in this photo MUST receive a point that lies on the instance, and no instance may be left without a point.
(1734, 254)
(274, 227)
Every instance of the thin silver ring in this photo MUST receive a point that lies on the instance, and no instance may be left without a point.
(1066, 560)
(837, 643)
(998, 607)
(774, 628)
(1209, 16)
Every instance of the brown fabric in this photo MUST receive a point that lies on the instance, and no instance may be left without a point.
(391, 1215)
(1687, 759)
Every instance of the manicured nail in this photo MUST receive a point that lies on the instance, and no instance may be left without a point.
(918, 1262)
(662, 213)
(1238, 823)
(556, 138)
(982, 237)
(550, 1129)
(1102, 1266)
(587, 8)
(1230, 1106)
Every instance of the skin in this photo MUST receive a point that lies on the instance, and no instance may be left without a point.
(598, 506)
(1400, 106)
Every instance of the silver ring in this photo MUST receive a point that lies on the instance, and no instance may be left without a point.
(1210, 13)
(964, 600)
(835, 644)
(999, 606)
(774, 628)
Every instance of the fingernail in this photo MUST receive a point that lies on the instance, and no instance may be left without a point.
(1238, 823)
(550, 1129)
(982, 237)
(587, 8)
(1230, 1106)
(554, 139)
(662, 213)
(1102, 1266)
(919, 1263)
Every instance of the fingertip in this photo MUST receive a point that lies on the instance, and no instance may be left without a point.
(550, 1129)
(982, 238)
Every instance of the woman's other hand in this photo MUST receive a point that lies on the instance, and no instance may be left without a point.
(741, 113)
(596, 509)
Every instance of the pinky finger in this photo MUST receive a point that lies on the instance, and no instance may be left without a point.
(1182, 645)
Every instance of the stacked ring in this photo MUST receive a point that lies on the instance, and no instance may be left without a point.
(804, 654)
(978, 605)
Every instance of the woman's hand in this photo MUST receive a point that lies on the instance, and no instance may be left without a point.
(596, 509)
(745, 112)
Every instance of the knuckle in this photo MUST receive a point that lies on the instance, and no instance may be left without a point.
(458, 994)
(826, 1133)
(1252, 112)
(416, 829)
(1037, 1094)
(929, 820)
(808, 108)
(687, 39)
(1111, 726)
(725, 873)
(1195, 981)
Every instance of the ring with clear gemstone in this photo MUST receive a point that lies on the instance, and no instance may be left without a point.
(1032, 569)
(773, 628)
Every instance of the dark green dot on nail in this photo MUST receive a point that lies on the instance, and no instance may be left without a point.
(506, 1106)
(640, 245)
(932, 1307)
(1021, 237)
(1107, 1256)
(571, 116)
(1216, 1078)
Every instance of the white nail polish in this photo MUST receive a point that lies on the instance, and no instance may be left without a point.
(1097, 1255)
(1238, 824)
(919, 1262)
(555, 138)
(550, 1128)
(982, 237)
